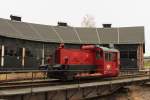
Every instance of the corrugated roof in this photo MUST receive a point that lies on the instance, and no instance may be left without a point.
(77, 35)
(108, 35)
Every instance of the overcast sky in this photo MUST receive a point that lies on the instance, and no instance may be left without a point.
(118, 12)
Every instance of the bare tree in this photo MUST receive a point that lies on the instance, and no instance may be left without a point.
(88, 21)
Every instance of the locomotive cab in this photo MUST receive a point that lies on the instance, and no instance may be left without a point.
(107, 61)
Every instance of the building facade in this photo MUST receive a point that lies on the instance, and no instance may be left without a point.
(27, 45)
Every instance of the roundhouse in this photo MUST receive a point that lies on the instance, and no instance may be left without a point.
(27, 45)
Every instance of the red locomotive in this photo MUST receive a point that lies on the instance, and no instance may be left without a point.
(88, 61)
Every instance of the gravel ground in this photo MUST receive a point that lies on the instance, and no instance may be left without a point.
(130, 93)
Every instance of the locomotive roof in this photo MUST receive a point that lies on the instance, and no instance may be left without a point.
(67, 34)
(109, 49)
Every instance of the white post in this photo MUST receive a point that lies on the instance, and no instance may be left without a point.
(118, 31)
(23, 56)
(2, 55)
(43, 55)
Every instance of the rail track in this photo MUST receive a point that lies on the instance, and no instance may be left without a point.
(28, 83)
(54, 82)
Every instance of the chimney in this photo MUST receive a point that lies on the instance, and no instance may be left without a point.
(106, 25)
(15, 18)
(62, 24)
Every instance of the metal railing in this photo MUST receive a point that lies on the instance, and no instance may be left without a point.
(23, 75)
(10, 75)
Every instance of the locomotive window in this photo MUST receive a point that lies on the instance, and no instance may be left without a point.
(109, 56)
(114, 56)
(98, 55)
